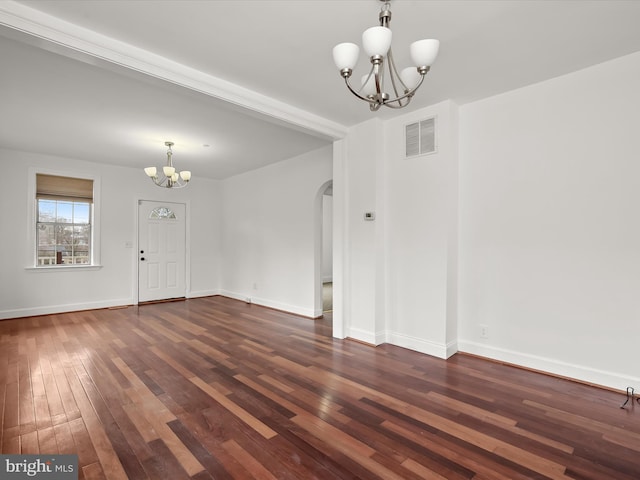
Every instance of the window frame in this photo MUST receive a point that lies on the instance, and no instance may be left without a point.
(32, 223)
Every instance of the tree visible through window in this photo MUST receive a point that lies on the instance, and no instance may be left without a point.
(63, 225)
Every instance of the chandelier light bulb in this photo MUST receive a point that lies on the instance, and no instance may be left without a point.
(410, 77)
(376, 41)
(368, 85)
(424, 52)
(168, 171)
(345, 55)
(185, 175)
(151, 171)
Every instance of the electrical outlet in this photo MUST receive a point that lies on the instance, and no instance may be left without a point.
(484, 331)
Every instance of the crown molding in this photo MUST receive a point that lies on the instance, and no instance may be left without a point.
(81, 43)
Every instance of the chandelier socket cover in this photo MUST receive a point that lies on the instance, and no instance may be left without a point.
(170, 178)
(376, 42)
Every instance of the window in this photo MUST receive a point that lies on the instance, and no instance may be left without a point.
(162, 212)
(64, 214)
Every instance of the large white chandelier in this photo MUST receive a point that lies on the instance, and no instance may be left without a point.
(376, 42)
(170, 178)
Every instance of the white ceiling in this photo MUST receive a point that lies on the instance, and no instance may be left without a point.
(75, 75)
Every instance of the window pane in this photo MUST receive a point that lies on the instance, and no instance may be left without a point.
(46, 210)
(65, 237)
(81, 213)
(162, 212)
(46, 245)
(63, 232)
(82, 235)
(65, 212)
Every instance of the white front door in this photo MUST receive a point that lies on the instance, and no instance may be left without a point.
(161, 250)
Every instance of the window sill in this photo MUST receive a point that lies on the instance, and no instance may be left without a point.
(57, 268)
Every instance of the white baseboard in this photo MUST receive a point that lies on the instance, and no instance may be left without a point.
(427, 347)
(366, 336)
(71, 307)
(435, 349)
(550, 365)
(203, 293)
(263, 302)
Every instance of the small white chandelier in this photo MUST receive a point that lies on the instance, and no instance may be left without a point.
(376, 42)
(170, 178)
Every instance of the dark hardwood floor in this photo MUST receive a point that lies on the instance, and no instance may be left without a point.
(216, 388)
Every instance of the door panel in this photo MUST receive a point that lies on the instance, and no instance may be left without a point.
(162, 251)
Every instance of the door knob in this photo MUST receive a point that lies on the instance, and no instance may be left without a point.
(141, 251)
(142, 259)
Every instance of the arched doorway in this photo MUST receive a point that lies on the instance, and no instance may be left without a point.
(323, 291)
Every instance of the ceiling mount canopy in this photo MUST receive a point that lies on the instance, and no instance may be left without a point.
(376, 42)
(169, 177)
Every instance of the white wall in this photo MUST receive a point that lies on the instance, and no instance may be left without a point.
(400, 275)
(269, 232)
(25, 292)
(359, 188)
(525, 222)
(422, 222)
(550, 225)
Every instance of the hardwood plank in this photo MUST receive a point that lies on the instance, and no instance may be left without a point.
(11, 415)
(82, 443)
(254, 468)
(26, 409)
(29, 443)
(351, 447)
(11, 445)
(101, 442)
(501, 421)
(64, 439)
(93, 472)
(421, 470)
(238, 411)
(163, 464)
(47, 441)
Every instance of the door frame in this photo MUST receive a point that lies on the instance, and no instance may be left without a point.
(187, 246)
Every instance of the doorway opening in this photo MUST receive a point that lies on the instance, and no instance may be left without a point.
(324, 251)
(327, 250)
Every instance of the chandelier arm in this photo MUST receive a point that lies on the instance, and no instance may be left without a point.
(357, 94)
(408, 94)
(159, 181)
(166, 182)
(399, 105)
(366, 80)
(394, 75)
(378, 73)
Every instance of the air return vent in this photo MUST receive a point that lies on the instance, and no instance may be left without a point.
(420, 138)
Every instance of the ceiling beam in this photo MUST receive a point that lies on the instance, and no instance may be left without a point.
(62, 37)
